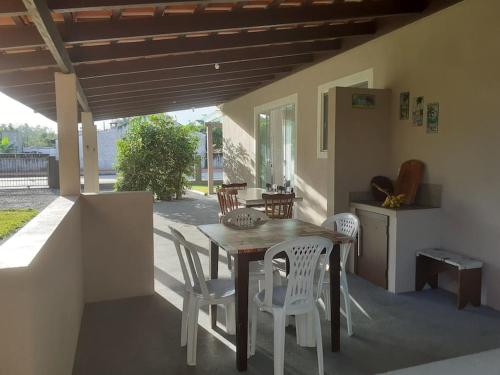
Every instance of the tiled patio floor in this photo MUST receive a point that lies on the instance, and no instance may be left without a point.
(141, 335)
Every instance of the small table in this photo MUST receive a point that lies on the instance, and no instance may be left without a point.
(253, 196)
(431, 262)
(250, 245)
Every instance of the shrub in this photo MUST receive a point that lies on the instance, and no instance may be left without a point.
(156, 155)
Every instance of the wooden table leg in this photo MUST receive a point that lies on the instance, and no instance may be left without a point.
(241, 279)
(214, 274)
(335, 297)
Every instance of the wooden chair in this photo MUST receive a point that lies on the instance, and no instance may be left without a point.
(278, 206)
(235, 185)
(228, 201)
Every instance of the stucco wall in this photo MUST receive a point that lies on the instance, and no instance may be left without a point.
(450, 57)
(41, 293)
(117, 245)
(77, 250)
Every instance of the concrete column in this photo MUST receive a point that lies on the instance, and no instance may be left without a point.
(90, 154)
(210, 158)
(67, 129)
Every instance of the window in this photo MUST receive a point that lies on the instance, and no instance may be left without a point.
(275, 126)
(362, 79)
(324, 129)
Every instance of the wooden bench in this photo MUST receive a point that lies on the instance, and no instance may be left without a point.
(431, 262)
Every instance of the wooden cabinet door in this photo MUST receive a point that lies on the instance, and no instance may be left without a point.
(371, 254)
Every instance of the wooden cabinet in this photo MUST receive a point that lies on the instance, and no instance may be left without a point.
(371, 257)
(389, 240)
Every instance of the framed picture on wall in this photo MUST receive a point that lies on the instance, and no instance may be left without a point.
(404, 106)
(418, 111)
(433, 118)
(363, 101)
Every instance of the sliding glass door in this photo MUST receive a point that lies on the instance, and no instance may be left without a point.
(276, 146)
(265, 168)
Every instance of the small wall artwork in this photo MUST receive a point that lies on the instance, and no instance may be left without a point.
(433, 118)
(418, 111)
(404, 106)
(363, 101)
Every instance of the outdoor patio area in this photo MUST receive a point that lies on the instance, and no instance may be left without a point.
(142, 335)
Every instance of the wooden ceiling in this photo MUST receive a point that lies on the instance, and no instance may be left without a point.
(137, 57)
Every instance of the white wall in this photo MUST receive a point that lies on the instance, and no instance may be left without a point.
(79, 249)
(450, 57)
(117, 245)
(41, 293)
(106, 146)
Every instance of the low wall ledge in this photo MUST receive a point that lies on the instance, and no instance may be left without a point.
(20, 250)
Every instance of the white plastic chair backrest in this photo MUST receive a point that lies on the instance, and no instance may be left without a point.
(303, 254)
(345, 223)
(193, 271)
(244, 217)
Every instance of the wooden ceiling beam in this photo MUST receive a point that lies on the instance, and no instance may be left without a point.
(252, 81)
(48, 88)
(147, 110)
(184, 84)
(12, 8)
(171, 99)
(134, 102)
(26, 80)
(50, 97)
(46, 59)
(215, 42)
(199, 59)
(205, 22)
(280, 64)
(213, 22)
(103, 53)
(42, 19)
(9, 8)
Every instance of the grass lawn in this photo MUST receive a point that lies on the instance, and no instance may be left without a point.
(11, 220)
(201, 188)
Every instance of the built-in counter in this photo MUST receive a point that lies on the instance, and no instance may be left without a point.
(389, 239)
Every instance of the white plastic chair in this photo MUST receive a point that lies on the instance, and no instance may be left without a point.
(246, 218)
(200, 292)
(348, 224)
(298, 297)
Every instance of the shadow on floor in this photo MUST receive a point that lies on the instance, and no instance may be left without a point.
(141, 336)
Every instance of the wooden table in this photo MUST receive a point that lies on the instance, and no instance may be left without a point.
(250, 245)
(253, 196)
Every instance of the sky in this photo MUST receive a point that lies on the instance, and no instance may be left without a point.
(11, 111)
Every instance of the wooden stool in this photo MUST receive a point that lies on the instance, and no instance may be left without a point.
(467, 271)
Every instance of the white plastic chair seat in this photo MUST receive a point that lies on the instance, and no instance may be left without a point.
(218, 288)
(279, 294)
(256, 268)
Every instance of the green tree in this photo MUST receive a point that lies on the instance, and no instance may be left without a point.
(216, 134)
(34, 136)
(156, 155)
(5, 145)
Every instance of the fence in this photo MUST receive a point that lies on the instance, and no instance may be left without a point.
(24, 170)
